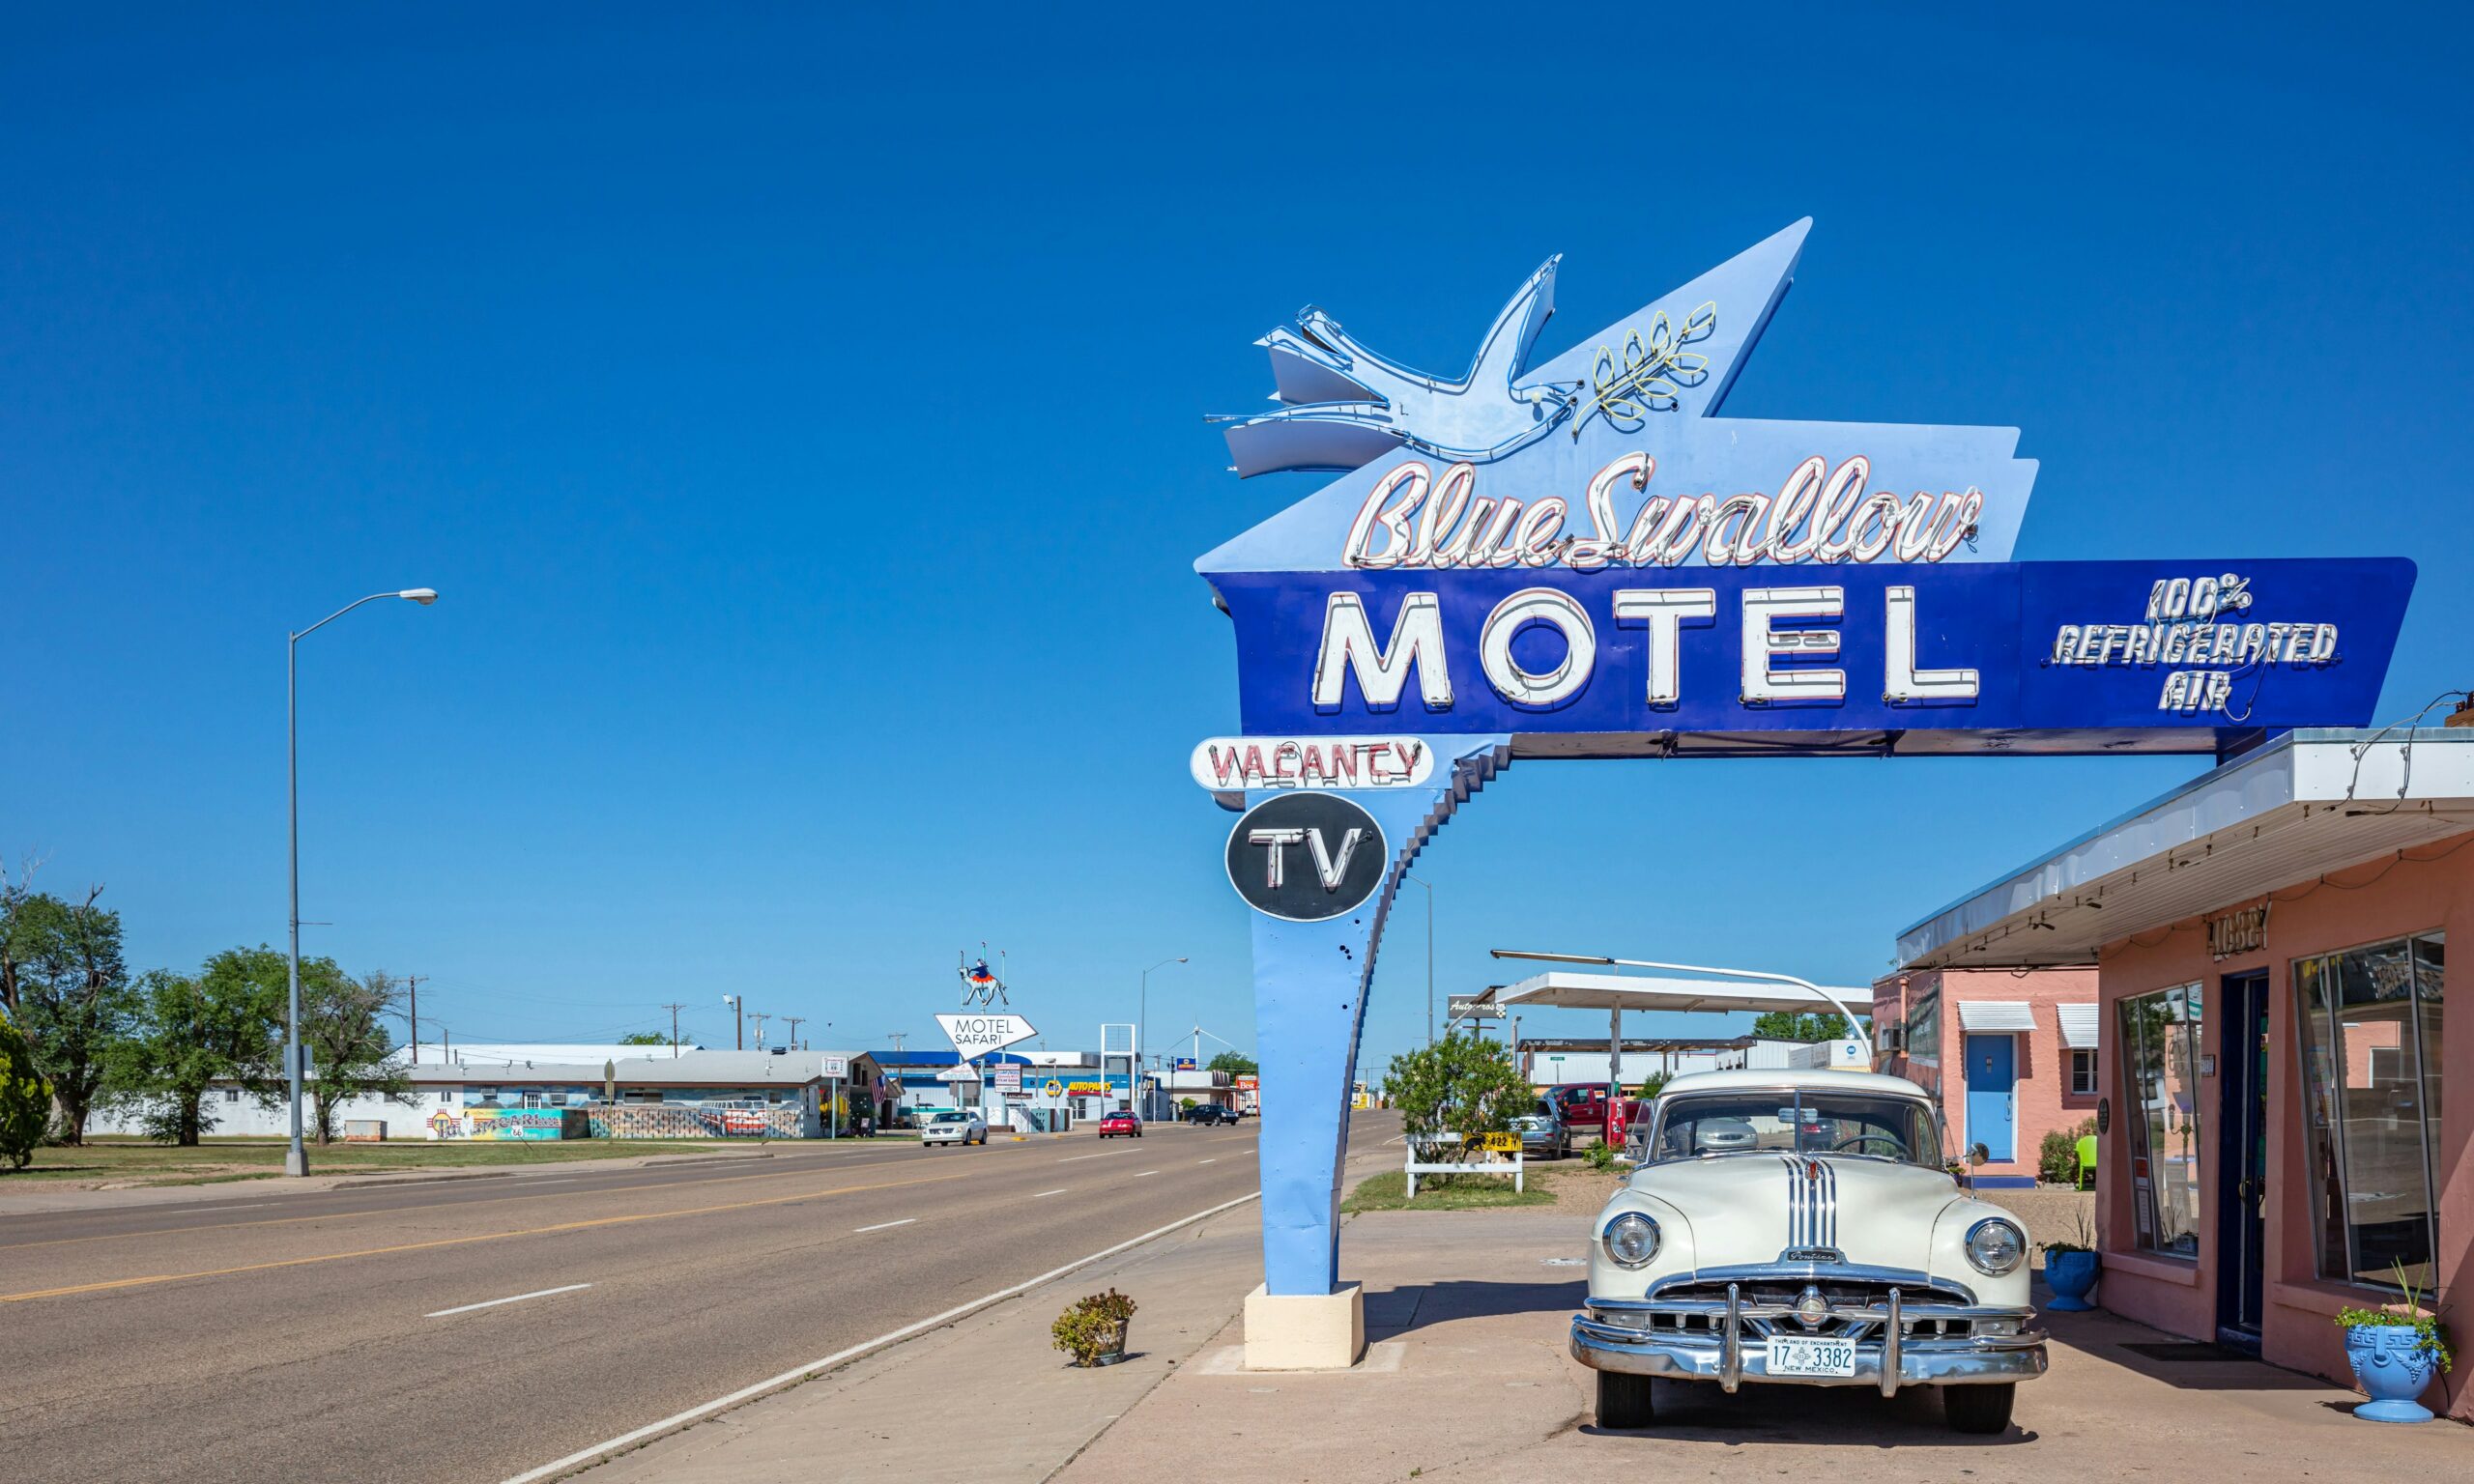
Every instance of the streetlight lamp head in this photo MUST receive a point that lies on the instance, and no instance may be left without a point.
(424, 596)
(1181, 960)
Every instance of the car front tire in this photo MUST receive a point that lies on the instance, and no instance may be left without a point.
(1624, 1401)
(1980, 1409)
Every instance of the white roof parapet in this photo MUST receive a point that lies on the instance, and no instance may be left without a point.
(2299, 806)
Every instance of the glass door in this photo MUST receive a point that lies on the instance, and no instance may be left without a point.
(2242, 1170)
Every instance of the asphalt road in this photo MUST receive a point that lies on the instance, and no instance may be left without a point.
(305, 1337)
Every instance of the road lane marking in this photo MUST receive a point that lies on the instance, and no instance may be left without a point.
(839, 1357)
(1214, 1159)
(1059, 1190)
(884, 1225)
(1101, 1155)
(492, 1304)
(1146, 1172)
(415, 1207)
(458, 1242)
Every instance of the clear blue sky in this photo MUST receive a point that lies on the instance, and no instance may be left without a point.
(803, 423)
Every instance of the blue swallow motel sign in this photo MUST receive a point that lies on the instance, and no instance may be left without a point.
(1585, 558)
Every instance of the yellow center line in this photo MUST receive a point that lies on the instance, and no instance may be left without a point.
(457, 1242)
(398, 1211)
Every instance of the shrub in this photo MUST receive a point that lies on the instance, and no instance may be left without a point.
(2409, 1313)
(26, 1098)
(1092, 1325)
(2057, 1157)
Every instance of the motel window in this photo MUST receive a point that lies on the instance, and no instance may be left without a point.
(2371, 1068)
(231, 1094)
(1924, 1041)
(2160, 1041)
(2083, 1072)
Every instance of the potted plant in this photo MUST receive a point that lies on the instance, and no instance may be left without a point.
(2071, 1267)
(1092, 1329)
(2395, 1352)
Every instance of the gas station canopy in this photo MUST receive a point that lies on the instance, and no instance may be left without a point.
(1569, 989)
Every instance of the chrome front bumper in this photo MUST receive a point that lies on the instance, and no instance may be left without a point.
(1730, 1353)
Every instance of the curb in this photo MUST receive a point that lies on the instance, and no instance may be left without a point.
(372, 1182)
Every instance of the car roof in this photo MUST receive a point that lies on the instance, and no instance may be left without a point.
(1784, 1078)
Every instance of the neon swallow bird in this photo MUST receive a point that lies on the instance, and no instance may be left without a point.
(1348, 406)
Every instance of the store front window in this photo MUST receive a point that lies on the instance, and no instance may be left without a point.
(1924, 1041)
(2160, 1041)
(2370, 1072)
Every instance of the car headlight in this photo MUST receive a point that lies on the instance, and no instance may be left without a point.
(1996, 1246)
(1631, 1239)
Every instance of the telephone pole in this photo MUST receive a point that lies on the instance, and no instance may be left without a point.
(896, 1036)
(738, 1020)
(760, 1018)
(413, 988)
(793, 1037)
(673, 1010)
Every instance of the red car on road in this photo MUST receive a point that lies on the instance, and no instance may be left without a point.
(1118, 1123)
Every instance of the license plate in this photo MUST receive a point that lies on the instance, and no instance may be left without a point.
(1811, 1357)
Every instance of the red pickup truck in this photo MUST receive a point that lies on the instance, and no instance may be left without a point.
(1582, 1105)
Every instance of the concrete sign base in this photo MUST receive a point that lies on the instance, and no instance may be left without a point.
(1305, 1332)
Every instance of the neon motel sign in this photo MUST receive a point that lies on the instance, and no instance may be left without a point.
(1585, 558)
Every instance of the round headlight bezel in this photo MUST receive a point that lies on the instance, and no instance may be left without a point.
(1631, 1223)
(2018, 1247)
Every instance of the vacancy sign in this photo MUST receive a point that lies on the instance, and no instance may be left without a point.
(975, 1036)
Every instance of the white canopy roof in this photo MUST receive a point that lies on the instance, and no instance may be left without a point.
(2079, 1024)
(1995, 1015)
(1571, 989)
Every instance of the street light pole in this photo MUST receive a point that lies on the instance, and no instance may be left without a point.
(1141, 1011)
(296, 1155)
(1405, 876)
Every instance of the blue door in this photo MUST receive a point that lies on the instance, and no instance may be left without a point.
(1993, 1073)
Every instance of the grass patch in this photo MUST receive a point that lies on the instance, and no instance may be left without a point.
(1389, 1191)
(136, 1161)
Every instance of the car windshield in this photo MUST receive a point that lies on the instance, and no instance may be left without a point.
(953, 1117)
(1805, 1120)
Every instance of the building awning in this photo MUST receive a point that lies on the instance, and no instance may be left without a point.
(2304, 803)
(2079, 1024)
(1994, 1016)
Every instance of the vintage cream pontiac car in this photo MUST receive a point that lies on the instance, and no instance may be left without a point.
(1799, 1227)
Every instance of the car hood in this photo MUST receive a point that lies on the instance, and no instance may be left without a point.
(1753, 1207)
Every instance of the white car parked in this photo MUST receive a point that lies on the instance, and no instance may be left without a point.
(953, 1125)
(1799, 1227)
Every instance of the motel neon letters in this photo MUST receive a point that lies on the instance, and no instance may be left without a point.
(1779, 624)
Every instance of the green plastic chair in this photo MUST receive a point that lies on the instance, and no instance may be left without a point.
(2088, 1162)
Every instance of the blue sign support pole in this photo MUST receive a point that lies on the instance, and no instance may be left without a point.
(1311, 983)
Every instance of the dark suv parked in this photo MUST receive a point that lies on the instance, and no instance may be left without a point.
(1209, 1113)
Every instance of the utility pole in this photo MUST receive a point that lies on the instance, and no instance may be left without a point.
(673, 1010)
(760, 1018)
(896, 1036)
(793, 1037)
(739, 1021)
(413, 987)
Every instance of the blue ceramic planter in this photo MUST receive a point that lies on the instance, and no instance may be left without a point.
(2392, 1366)
(2072, 1277)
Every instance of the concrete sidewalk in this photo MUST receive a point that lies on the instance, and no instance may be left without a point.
(1468, 1380)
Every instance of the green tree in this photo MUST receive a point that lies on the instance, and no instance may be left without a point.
(1465, 1085)
(73, 999)
(1235, 1063)
(25, 1098)
(644, 1039)
(190, 1033)
(343, 1028)
(1791, 1025)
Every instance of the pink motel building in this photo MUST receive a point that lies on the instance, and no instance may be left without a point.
(2008, 1054)
(2271, 950)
